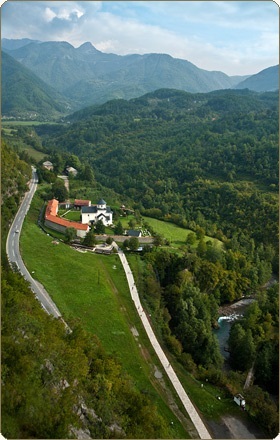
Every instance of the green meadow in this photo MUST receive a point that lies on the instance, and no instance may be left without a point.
(175, 234)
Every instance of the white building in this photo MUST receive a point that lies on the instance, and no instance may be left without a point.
(94, 213)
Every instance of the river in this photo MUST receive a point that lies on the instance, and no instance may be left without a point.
(227, 315)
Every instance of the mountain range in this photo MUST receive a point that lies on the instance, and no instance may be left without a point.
(85, 76)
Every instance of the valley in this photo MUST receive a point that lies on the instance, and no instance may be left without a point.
(191, 159)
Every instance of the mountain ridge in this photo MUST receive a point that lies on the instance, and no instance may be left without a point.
(87, 76)
(258, 82)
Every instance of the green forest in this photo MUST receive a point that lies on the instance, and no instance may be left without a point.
(205, 162)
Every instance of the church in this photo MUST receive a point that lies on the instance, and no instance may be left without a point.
(94, 213)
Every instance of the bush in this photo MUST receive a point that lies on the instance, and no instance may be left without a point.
(173, 345)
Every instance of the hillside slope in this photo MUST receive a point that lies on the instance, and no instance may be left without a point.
(26, 95)
(266, 80)
(163, 148)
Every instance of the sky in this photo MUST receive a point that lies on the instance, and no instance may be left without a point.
(235, 37)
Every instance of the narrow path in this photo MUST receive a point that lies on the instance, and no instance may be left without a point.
(66, 181)
(249, 377)
(196, 419)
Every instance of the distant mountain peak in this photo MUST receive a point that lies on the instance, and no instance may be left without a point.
(12, 44)
(88, 47)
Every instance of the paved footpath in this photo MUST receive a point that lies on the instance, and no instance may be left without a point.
(198, 423)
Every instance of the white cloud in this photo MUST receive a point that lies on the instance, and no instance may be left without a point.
(49, 14)
(237, 37)
(63, 13)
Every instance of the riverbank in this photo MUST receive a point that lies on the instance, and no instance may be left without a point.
(237, 307)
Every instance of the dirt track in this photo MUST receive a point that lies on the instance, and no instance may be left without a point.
(233, 427)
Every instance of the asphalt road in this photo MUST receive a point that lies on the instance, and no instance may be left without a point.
(13, 253)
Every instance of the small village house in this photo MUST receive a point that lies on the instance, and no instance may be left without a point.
(71, 171)
(134, 233)
(78, 204)
(48, 165)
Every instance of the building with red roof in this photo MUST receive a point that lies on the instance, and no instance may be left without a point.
(78, 204)
(60, 224)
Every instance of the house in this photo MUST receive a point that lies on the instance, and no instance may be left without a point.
(48, 165)
(71, 170)
(100, 211)
(78, 204)
(133, 233)
(59, 224)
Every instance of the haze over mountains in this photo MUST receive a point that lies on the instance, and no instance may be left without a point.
(85, 76)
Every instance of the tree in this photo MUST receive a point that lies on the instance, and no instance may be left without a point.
(201, 248)
(133, 243)
(88, 174)
(74, 161)
(99, 227)
(126, 243)
(191, 238)
(235, 340)
(89, 239)
(158, 240)
(119, 228)
(59, 191)
(132, 223)
(200, 233)
(70, 234)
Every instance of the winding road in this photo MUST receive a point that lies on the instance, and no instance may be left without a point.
(14, 257)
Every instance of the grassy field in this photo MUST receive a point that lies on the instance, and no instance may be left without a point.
(36, 155)
(72, 215)
(93, 289)
(14, 123)
(174, 233)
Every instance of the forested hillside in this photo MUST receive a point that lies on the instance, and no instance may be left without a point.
(14, 176)
(200, 160)
(24, 95)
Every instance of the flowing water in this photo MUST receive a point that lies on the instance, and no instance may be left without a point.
(229, 314)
